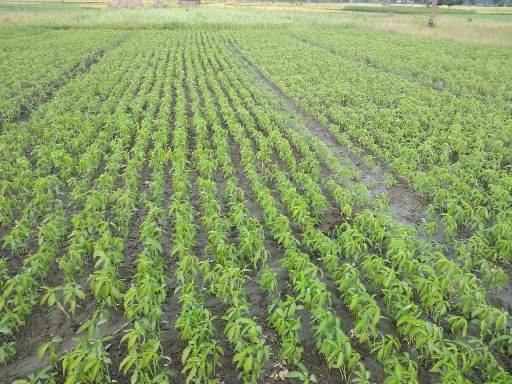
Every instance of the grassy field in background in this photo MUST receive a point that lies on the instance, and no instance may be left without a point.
(488, 26)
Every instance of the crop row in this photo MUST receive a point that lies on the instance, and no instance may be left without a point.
(461, 75)
(188, 175)
(30, 74)
(454, 151)
(300, 216)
